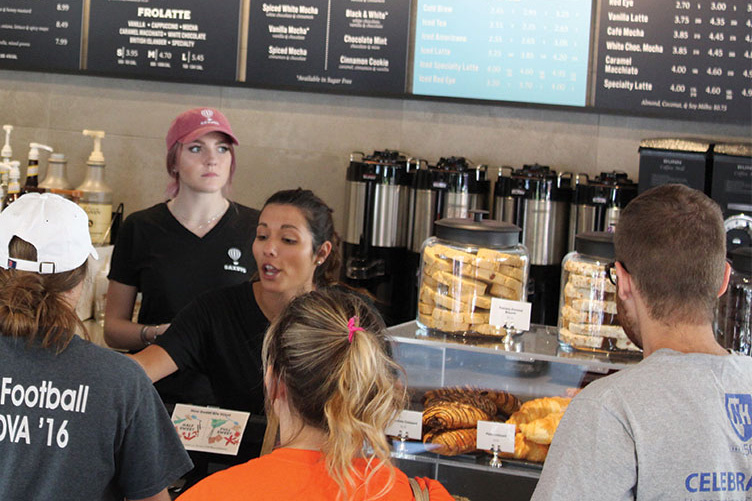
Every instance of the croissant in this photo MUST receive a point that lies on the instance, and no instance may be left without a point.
(538, 408)
(453, 415)
(470, 398)
(541, 430)
(526, 449)
(451, 442)
(505, 402)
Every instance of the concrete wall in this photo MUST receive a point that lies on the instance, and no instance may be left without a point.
(290, 139)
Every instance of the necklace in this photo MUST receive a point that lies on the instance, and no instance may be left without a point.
(203, 224)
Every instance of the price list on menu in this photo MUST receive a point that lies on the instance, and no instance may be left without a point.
(533, 52)
(351, 45)
(189, 40)
(42, 34)
(680, 58)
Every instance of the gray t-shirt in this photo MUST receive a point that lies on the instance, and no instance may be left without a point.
(85, 424)
(675, 426)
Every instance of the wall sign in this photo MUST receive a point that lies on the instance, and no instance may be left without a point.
(44, 34)
(358, 45)
(173, 39)
(681, 58)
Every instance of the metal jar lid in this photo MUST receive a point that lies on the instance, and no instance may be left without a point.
(478, 231)
(595, 243)
(741, 260)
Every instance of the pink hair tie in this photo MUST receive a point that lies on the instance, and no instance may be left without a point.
(352, 328)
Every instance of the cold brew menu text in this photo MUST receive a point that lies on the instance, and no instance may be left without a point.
(534, 51)
(182, 39)
(680, 58)
(358, 45)
(43, 34)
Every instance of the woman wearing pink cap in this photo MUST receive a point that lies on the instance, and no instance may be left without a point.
(196, 241)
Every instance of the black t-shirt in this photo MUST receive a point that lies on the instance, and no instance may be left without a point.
(220, 335)
(170, 266)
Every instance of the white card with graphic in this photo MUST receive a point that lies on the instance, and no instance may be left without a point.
(409, 424)
(510, 314)
(209, 429)
(496, 436)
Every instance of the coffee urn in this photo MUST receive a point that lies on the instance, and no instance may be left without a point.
(537, 199)
(376, 234)
(468, 188)
(597, 203)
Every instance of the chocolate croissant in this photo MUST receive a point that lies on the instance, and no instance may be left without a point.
(482, 402)
(452, 415)
(451, 442)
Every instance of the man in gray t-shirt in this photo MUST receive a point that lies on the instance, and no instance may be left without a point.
(678, 424)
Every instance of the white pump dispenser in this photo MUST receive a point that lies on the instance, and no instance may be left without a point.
(7, 151)
(32, 171)
(14, 186)
(96, 196)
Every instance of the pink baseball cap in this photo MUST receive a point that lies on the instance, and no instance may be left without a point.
(192, 124)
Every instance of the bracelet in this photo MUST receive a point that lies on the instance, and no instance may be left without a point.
(144, 339)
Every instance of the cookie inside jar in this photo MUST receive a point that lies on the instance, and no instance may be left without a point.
(463, 268)
(587, 313)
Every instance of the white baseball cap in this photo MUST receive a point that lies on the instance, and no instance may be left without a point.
(58, 228)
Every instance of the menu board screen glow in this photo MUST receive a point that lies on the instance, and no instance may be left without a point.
(534, 51)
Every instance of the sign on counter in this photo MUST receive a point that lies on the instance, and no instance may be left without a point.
(683, 58)
(409, 424)
(190, 40)
(340, 45)
(209, 429)
(44, 34)
(530, 52)
(510, 314)
(495, 436)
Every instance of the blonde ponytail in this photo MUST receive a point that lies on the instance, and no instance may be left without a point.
(349, 389)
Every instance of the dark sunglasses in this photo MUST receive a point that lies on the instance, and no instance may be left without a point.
(611, 270)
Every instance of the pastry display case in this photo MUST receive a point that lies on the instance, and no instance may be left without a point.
(525, 379)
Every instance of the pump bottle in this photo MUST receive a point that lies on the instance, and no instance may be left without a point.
(6, 153)
(32, 171)
(14, 186)
(96, 196)
(56, 178)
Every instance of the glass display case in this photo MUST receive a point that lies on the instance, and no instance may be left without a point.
(529, 365)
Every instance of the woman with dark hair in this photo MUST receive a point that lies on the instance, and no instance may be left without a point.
(84, 422)
(220, 333)
(335, 388)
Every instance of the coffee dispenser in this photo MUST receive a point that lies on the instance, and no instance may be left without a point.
(467, 188)
(376, 234)
(598, 202)
(732, 189)
(537, 199)
(671, 160)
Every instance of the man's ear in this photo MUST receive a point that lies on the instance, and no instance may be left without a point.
(726, 276)
(624, 279)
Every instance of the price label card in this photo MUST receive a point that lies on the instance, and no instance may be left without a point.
(408, 424)
(496, 436)
(209, 429)
(512, 314)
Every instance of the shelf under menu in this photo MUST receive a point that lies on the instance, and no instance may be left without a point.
(535, 51)
(680, 58)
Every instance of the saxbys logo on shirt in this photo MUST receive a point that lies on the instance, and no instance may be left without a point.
(209, 117)
(739, 412)
(235, 254)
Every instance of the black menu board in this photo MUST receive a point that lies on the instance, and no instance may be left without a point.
(191, 40)
(340, 45)
(678, 58)
(44, 34)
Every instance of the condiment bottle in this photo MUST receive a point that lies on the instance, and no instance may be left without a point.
(32, 171)
(56, 178)
(14, 186)
(96, 196)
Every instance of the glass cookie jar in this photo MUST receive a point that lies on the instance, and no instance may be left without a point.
(734, 315)
(587, 304)
(467, 264)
